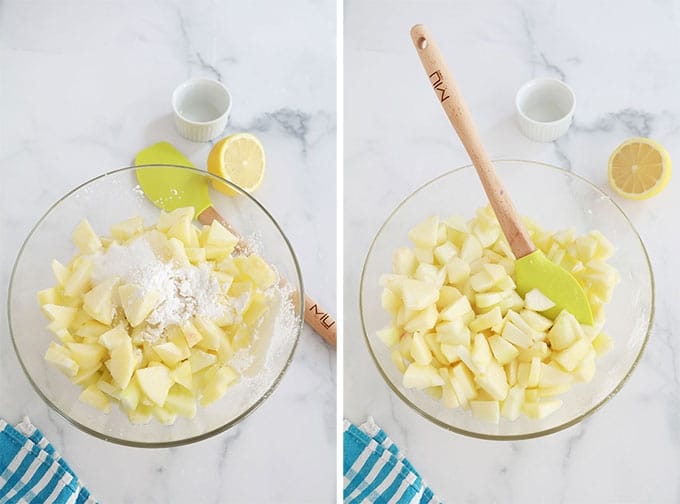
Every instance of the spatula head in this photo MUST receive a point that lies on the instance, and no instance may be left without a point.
(170, 188)
(536, 271)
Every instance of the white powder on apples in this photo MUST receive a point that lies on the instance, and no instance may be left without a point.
(186, 291)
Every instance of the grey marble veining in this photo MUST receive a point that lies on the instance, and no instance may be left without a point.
(85, 85)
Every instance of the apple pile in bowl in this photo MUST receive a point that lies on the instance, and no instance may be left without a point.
(177, 309)
(150, 317)
(462, 333)
(467, 268)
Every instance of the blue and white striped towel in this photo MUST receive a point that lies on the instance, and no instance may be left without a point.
(376, 471)
(31, 470)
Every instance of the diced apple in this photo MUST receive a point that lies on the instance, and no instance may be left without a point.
(389, 335)
(79, 280)
(137, 303)
(129, 397)
(536, 321)
(425, 233)
(571, 357)
(108, 388)
(512, 405)
(155, 382)
(454, 332)
(481, 281)
(463, 384)
(431, 274)
(217, 383)
(471, 249)
(181, 401)
(486, 320)
(481, 353)
(127, 229)
(87, 355)
(602, 343)
(212, 334)
(141, 415)
(537, 301)
(191, 334)
(398, 360)
(169, 353)
(487, 411)
(61, 316)
(184, 231)
(418, 295)
(121, 365)
(460, 308)
(221, 237)
(445, 252)
(551, 376)
(390, 301)
(61, 358)
(489, 299)
(98, 301)
(404, 261)
(114, 337)
(61, 272)
(200, 360)
(457, 270)
(585, 371)
(516, 336)
(258, 270)
(421, 376)
(167, 219)
(503, 351)
(563, 334)
(424, 320)
(85, 238)
(493, 381)
(182, 374)
(538, 410)
(449, 397)
(420, 350)
(94, 397)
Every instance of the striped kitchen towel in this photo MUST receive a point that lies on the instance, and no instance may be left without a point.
(376, 471)
(31, 470)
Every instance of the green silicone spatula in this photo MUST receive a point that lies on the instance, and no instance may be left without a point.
(172, 188)
(532, 269)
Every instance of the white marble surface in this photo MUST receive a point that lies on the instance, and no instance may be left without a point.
(83, 86)
(622, 60)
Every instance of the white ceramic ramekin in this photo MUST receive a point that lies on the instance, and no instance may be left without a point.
(545, 109)
(201, 108)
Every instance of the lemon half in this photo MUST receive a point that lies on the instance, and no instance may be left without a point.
(639, 168)
(240, 159)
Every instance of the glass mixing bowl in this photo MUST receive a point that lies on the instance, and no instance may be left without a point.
(106, 200)
(556, 199)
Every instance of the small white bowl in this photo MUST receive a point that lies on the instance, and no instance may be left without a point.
(201, 108)
(545, 109)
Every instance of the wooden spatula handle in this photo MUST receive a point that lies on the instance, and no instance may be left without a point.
(452, 102)
(316, 317)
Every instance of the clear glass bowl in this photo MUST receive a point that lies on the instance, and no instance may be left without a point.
(108, 199)
(555, 199)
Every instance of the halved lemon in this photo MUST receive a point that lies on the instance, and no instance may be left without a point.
(639, 168)
(240, 159)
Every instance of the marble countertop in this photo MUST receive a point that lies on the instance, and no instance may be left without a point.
(622, 60)
(85, 85)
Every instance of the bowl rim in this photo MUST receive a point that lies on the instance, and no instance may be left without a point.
(192, 439)
(538, 433)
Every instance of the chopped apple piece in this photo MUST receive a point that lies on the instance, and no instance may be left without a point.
(182, 375)
(98, 301)
(503, 351)
(61, 358)
(137, 304)
(181, 401)
(127, 229)
(389, 335)
(404, 261)
(425, 233)
(421, 376)
(217, 381)
(155, 382)
(537, 301)
(418, 295)
(488, 411)
(85, 238)
(121, 365)
(512, 405)
(95, 398)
